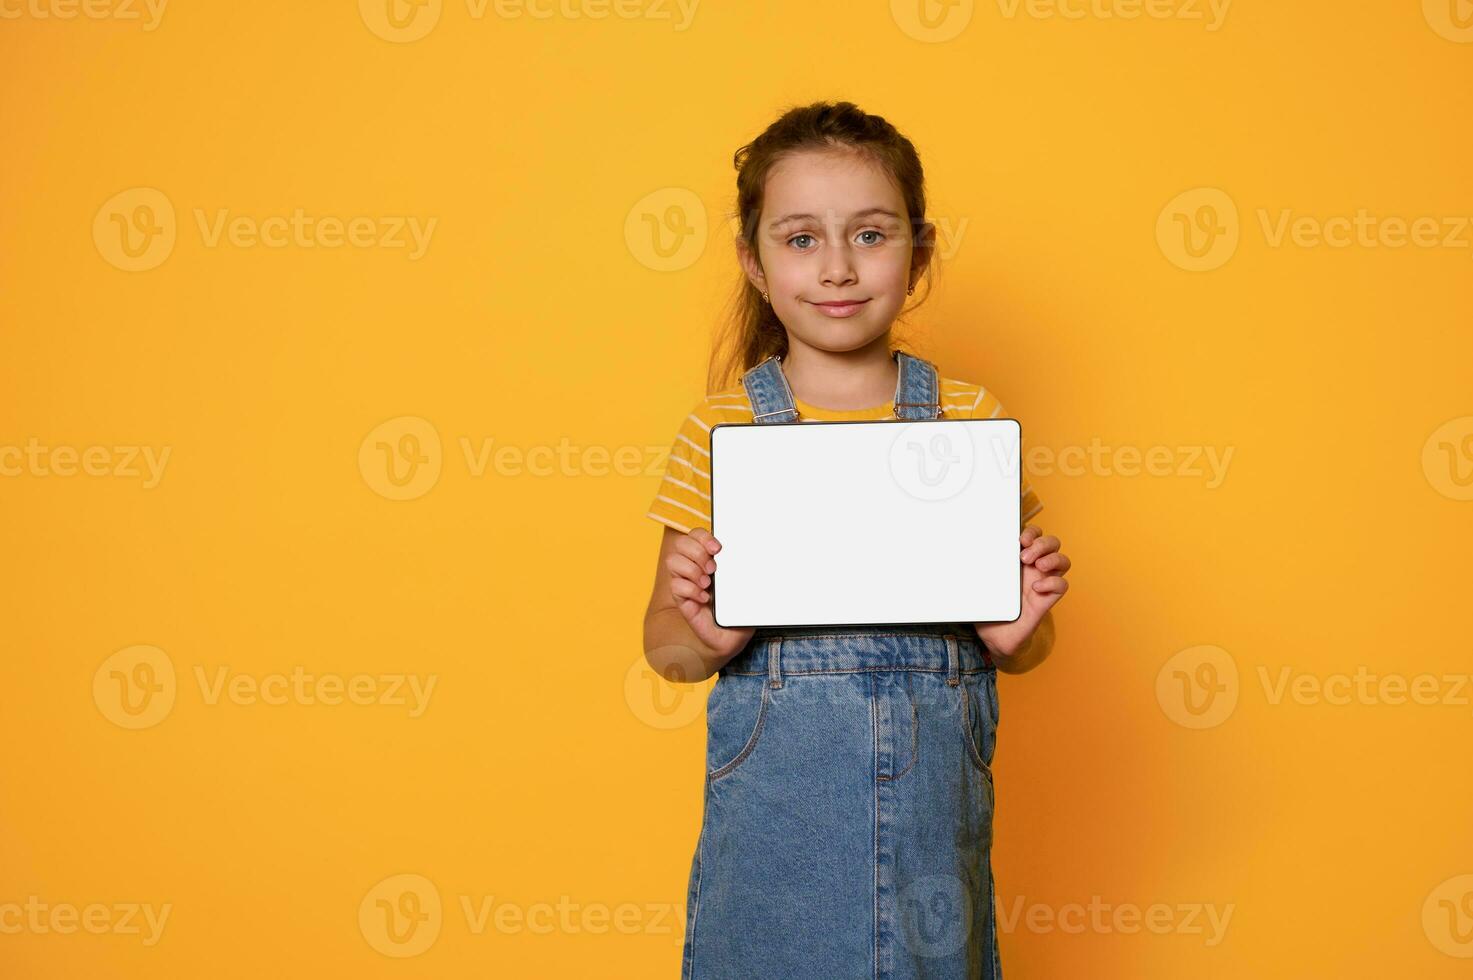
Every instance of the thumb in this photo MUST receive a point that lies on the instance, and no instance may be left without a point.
(701, 620)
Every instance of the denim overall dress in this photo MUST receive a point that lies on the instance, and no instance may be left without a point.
(847, 824)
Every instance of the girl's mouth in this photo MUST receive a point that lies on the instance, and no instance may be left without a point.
(842, 309)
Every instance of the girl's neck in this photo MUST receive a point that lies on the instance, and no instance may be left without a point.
(842, 380)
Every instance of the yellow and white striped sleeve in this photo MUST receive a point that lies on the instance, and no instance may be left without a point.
(683, 500)
(986, 406)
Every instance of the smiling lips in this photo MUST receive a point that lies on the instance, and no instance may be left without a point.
(842, 308)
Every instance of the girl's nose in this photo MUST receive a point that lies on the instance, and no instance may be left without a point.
(838, 268)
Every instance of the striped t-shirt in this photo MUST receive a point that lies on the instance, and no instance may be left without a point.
(684, 498)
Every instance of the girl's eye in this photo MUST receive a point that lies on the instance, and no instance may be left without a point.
(878, 237)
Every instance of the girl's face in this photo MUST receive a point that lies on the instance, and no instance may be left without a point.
(834, 229)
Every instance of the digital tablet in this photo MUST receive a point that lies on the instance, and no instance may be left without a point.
(864, 523)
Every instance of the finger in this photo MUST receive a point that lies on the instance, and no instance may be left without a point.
(696, 552)
(1042, 546)
(691, 610)
(706, 541)
(1052, 584)
(1055, 562)
(1029, 533)
(683, 588)
(683, 567)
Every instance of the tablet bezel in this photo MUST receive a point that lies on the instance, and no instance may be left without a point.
(817, 422)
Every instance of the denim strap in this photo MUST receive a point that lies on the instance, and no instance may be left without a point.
(768, 391)
(917, 390)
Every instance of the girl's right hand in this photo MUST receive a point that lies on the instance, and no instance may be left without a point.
(690, 583)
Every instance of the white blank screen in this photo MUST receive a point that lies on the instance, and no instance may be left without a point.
(850, 523)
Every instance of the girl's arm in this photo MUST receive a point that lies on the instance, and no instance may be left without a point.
(1035, 652)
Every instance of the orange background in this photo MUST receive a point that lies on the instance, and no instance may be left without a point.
(547, 765)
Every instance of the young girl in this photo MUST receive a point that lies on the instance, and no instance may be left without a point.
(847, 824)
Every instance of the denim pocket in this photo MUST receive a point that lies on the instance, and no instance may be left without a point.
(735, 712)
(979, 718)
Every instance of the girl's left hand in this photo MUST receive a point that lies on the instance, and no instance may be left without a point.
(1044, 566)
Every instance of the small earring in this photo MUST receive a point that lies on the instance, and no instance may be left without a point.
(766, 300)
(910, 291)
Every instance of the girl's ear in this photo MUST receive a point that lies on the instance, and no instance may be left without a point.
(923, 249)
(751, 265)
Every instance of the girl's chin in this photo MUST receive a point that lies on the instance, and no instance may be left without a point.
(840, 340)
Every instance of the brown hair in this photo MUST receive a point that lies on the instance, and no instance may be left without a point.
(751, 331)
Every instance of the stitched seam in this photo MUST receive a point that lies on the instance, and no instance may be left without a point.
(751, 740)
(875, 841)
(992, 897)
(915, 734)
(874, 729)
(830, 636)
(857, 670)
(690, 957)
(967, 733)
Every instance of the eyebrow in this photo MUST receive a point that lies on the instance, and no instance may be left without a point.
(785, 219)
